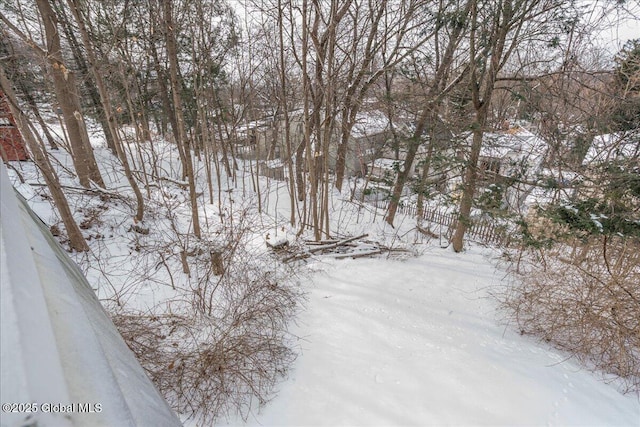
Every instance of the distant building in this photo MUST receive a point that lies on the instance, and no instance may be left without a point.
(509, 161)
(391, 159)
(384, 169)
(12, 145)
(512, 153)
(265, 140)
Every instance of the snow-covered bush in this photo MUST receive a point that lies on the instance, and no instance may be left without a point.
(219, 346)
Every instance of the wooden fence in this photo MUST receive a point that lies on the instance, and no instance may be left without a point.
(479, 231)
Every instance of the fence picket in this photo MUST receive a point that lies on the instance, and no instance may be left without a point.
(483, 232)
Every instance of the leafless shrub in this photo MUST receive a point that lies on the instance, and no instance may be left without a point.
(210, 367)
(583, 296)
(220, 346)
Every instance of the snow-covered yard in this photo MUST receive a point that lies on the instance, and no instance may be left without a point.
(418, 342)
(381, 341)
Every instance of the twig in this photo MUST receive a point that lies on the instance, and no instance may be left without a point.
(426, 232)
(296, 257)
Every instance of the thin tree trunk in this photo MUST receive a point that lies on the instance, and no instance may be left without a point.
(469, 187)
(167, 107)
(181, 137)
(425, 175)
(403, 174)
(36, 112)
(107, 109)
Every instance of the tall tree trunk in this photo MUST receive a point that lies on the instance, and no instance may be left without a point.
(424, 179)
(88, 82)
(439, 87)
(403, 174)
(483, 81)
(164, 93)
(65, 87)
(469, 184)
(33, 106)
(358, 85)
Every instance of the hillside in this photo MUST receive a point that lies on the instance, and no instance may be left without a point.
(415, 339)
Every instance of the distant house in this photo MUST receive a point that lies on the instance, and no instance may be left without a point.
(250, 140)
(12, 146)
(265, 140)
(387, 166)
(384, 169)
(391, 159)
(512, 153)
(371, 133)
(508, 160)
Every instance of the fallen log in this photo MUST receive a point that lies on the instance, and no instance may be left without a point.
(296, 257)
(354, 255)
(337, 244)
(321, 242)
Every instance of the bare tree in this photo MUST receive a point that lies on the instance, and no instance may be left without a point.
(85, 76)
(383, 35)
(106, 104)
(451, 29)
(497, 30)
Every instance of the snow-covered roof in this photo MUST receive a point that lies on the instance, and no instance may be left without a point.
(370, 123)
(613, 146)
(387, 164)
(515, 143)
(61, 355)
(244, 129)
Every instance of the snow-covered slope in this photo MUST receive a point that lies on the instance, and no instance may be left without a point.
(63, 362)
(390, 343)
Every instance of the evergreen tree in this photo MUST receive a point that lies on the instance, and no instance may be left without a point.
(626, 114)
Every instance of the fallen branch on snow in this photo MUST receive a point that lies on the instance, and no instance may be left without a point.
(337, 244)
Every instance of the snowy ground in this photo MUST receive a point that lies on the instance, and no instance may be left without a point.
(417, 342)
